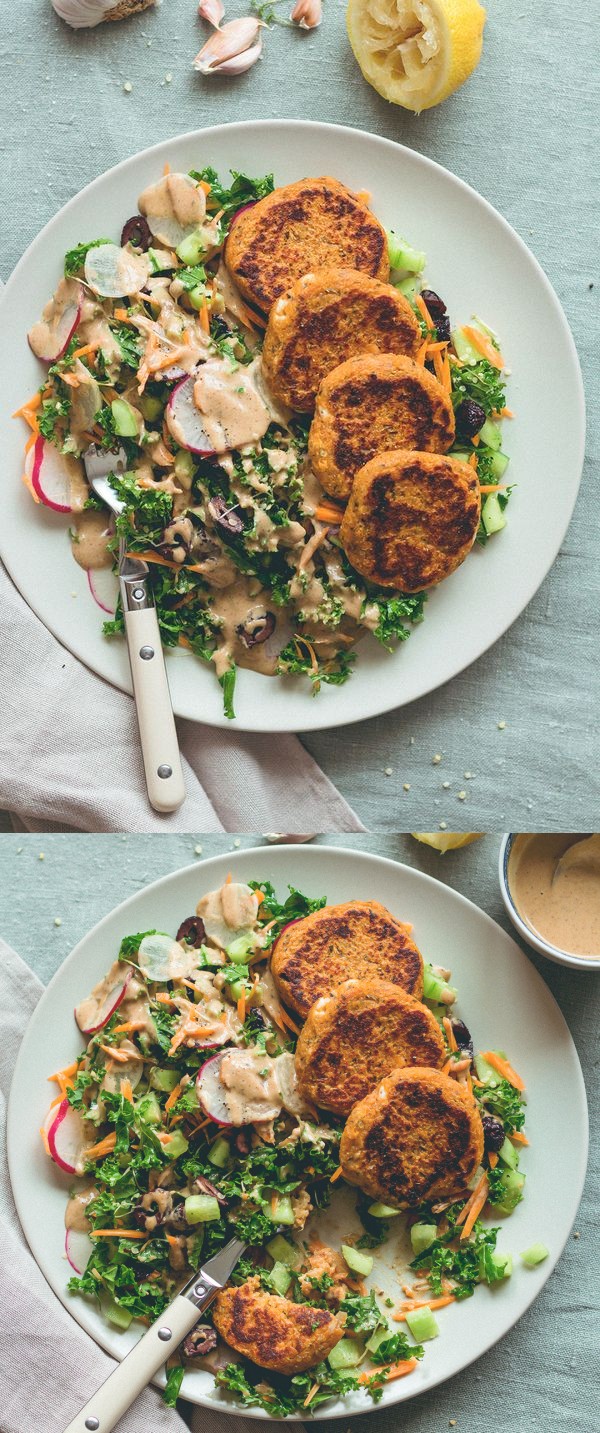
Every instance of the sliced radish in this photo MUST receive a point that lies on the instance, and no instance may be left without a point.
(78, 1248)
(131, 1070)
(86, 401)
(245, 1066)
(50, 477)
(116, 273)
(228, 913)
(210, 1091)
(174, 374)
(49, 338)
(241, 211)
(93, 1013)
(291, 1098)
(173, 208)
(104, 587)
(185, 422)
(162, 958)
(66, 1137)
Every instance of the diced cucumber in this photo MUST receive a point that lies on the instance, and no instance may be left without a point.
(494, 1266)
(177, 1144)
(382, 1211)
(358, 1262)
(198, 297)
(512, 1183)
(421, 1236)
(159, 266)
(163, 1079)
(490, 434)
(281, 1278)
(219, 1154)
(464, 348)
(237, 989)
(119, 1317)
(346, 1354)
(283, 1252)
(508, 1154)
(434, 988)
(492, 516)
(403, 256)
(282, 1213)
(422, 1324)
(498, 465)
(192, 249)
(409, 287)
(201, 1209)
(151, 407)
(535, 1254)
(183, 466)
(485, 1072)
(241, 949)
(377, 1338)
(149, 1109)
(485, 328)
(125, 420)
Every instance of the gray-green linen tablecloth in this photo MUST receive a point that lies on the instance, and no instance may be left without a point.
(544, 1374)
(522, 133)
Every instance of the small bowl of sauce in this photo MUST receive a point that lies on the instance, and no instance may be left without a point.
(550, 885)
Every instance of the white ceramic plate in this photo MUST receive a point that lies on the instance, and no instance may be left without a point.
(479, 265)
(505, 1004)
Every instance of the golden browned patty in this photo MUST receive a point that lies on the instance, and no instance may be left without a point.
(355, 1036)
(416, 1137)
(412, 518)
(351, 941)
(325, 317)
(370, 405)
(299, 227)
(272, 1331)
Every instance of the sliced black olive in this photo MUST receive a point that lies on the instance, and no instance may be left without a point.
(256, 627)
(192, 931)
(470, 417)
(220, 326)
(242, 1142)
(493, 1134)
(204, 1186)
(136, 233)
(443, 330)
(202, 1340)
(435, 305)
(227, 519)
(463, 1037)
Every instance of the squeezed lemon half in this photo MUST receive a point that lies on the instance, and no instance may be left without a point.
(446, 840)
(416, 52)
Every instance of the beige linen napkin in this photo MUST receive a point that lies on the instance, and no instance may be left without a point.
(70, 758)
(48, 1366)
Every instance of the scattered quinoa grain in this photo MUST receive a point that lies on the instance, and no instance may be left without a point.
(462, 795)
(237, 842)
(501, 725)
(197, 850)
(41, 856)
(388, 771)
(128, 87)
(406, 786)
(435, 760)
(445, 785)
(443, 825)
(57, 920)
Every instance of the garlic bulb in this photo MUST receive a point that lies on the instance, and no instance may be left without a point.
(84, 14)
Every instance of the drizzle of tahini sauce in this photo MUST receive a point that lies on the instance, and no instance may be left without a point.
(555, 884)
(233, 411)
(250, 1085)
(90, 539)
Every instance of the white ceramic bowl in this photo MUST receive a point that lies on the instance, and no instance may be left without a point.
(552, 952)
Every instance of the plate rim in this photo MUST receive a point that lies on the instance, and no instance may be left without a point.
(337, 854)
(325, 716)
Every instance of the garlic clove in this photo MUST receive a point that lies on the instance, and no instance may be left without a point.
(238, 64)
(307, 14)
(212, 11)
(229, 44)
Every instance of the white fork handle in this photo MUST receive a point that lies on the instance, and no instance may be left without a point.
(158, 735)
(130, 1377)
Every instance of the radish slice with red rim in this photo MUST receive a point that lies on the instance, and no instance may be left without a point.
(93, 1013)
(51, 336)
(78, 1248)
(115, 273)
(185, 422)
(210, 1090)
(50, 477)
(160, 957)
(66, 1138)
(104, 587)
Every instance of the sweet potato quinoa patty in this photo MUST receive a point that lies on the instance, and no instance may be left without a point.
(273, 1331)
(372, 404)
(355, 1036)
(412, 518)
(358, 939)
(417, 1136)
(326, 317)
(299, 227)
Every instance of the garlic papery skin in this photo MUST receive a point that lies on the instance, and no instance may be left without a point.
(238, 41)
(83, 14)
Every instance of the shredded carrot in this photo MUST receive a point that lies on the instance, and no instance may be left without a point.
(390, 1371)
(492, 1159)
(173, 1097)
(310, 1395)
(519, 1137)
(155, 557)
(424, 311)
(104, 1146)
(183, 642)
(304, 642)
(70, 380)
(464, 1213)
(172, 1240)
(273, 1203)
(163, 998)
(241, 1007)
(260, 895)
(491, 487)
(62, 1075)
(364, 195)
(87, 348)
(503, 1068)
(410, 1304)
(422, 353)
(475, 1210)
(204, 319)
(166, 167)
(328, 512)
(29, 406)
(476, 440)
(437, 347)
(44, 1135)
(450, 1036)
(127, 1091)
(121, 1056)
(121, 314)
(484, 346)
(505, 413)
(205, 186)
(473, 461)
(336, 1174)
(287, 1020)
(129, 1027)
(118, 1234)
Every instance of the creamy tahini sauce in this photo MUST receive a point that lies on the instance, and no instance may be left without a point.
(92, 533)
(233, 411)
(251, 1087)
(232, 606)
(176, 197)
(76, 1210)
(555, 884)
